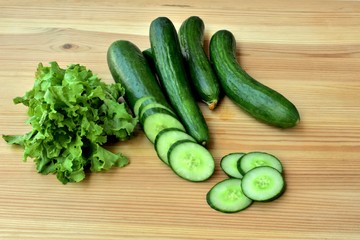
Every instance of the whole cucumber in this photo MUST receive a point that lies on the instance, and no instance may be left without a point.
(203, 77)
(260, 101)
(171, 70)
(129, 67)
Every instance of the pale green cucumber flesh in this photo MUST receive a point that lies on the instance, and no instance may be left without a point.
(229, 164)
(191, 161)
(263, 184)
(166, 138)
(227, 196)
(257, 159)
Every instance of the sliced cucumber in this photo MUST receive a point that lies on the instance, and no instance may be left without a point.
(227, 196)
(191, 161)
(263, 184)
(229, 164)
(152, 103)
(139, 102)
(154, 120)
(166, 138)
(256, 159)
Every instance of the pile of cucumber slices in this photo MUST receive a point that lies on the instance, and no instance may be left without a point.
(254, 176)
(163, 85)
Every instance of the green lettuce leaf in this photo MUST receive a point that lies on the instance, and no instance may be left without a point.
(72, 114)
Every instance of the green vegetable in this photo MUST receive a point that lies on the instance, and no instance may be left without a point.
(72, 113)
(203, 77)
(171, 70)
(260, 101)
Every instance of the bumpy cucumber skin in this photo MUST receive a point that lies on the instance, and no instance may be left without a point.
(129, 67)
(260, 101)
(171, 70)
(204, 79)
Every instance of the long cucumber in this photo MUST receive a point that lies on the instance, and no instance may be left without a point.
(171, 70)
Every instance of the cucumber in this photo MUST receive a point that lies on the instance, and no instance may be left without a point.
(154, 120)
(191, 161)
(229, 164)
(263, 184)
(260, 101)
(204, 79)
(256, 159)
(139, 102)
(166, 138)
(129, 67)
(170, 67)
(152, 103)
(227, 196)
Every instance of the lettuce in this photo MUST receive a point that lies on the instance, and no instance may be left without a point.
(72, 114)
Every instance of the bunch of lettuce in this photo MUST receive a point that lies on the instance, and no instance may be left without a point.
(72, 114)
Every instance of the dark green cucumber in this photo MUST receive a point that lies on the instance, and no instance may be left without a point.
(170, 67)
(204, 79)
(129, 67)
(260, 101)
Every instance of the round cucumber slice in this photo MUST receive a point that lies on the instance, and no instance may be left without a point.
(166, 138)
(229, 164)
(263, 184)
(257, 159)
(191, 161)
(227, 196)
(139, 102)
(156, 119)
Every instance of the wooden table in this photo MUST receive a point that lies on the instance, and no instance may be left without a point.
(307, 50)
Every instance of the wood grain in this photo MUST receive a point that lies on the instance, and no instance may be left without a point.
(307, 50)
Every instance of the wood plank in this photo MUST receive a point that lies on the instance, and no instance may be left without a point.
(307, 50)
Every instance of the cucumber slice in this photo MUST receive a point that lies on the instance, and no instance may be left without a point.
(256, 159)
(227, 196)
(191, 161)
(152, 103)
(229, 164)
(156, 119)
(263, 183)
(166, 138)
(139, 102)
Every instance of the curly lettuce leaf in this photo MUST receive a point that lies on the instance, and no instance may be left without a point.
(72, 114)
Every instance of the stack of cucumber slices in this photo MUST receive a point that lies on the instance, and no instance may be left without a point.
(254, 176)
(174, 146)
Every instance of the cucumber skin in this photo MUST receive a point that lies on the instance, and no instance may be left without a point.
(204, 79)
(129, 67)
(172, 74)
(260, 101)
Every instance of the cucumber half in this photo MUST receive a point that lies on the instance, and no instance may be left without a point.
(191, 161)
(256, 159)
(166, 138)
(227, 196)
(229, 164)
(263, 184)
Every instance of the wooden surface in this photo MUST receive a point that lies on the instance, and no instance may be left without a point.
(307, 50)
